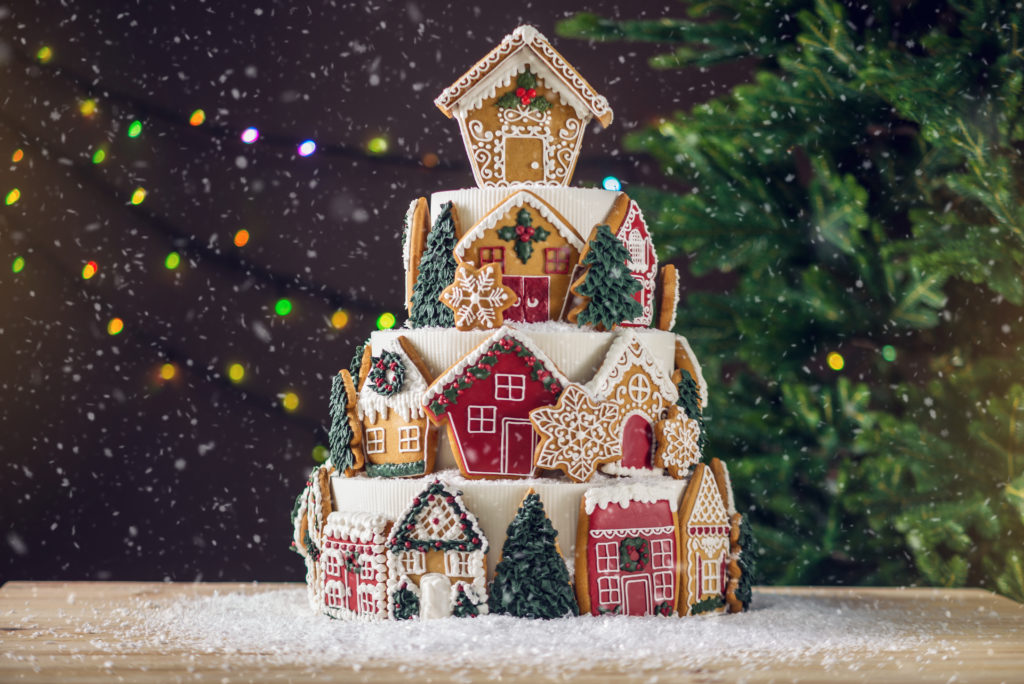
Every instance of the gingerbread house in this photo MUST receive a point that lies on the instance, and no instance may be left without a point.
(485, 400)
(643, 261)
(536, 249)
(522, 111)
(631, 378)
(627, 549)
(353, 566)
(398, 439)
(436, 552)
(704, 539)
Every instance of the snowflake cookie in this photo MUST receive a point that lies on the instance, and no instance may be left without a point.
(477, 297)
(577, 434)
(678, 438)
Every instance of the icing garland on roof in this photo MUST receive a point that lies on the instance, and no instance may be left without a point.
(411, 532)
(519, 198)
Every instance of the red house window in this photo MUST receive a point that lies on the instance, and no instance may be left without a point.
(493, 255)
(607, 557)
(608, 591)
(556, 260)
(482, 419)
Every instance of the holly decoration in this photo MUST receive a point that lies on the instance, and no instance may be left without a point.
(663, 608)
(523, 235)
(437, 271)
(339, 439)
(531, 580)
(524, 95)
(387, 374)
(351, 561)
(464, 605)
(689, 401)
(634, 554)
(402, 534)
(609, 285)
(441, 401)
(406, 602)
(707, 605)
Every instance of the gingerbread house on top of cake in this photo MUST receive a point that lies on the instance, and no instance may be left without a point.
(522, 111)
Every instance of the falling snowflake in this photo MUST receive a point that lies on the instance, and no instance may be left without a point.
(478, 298)
(577, 434)
(678, 442)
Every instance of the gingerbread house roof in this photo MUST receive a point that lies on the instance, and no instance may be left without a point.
(437, 519)
(626, 352)
(522, 197)
(706, 508)
(408, 400)
(648, 490)
(525, 45)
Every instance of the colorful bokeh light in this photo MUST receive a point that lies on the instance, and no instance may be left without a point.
(13, 196)
(89, 270)
(236, 372)
(306, 148)
(18, 265)
(135, 129)
(242, 238)
(386, 321)
(283, 307)
(138, 196)
(115, 326)
(611, 183)
(87, 108)
(44, 54)
(99, 156)
(290, 401)
(889, 353)
(320, 453)
(250, 135)
(339, 319)
(172, 261)
(430, 160)
(18, 155)
(197, 118)
(377, 145)
(168, 371)
(835, 361)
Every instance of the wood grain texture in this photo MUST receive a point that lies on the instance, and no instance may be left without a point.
(49, 633)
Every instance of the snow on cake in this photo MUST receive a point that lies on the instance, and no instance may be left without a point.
(568, 478)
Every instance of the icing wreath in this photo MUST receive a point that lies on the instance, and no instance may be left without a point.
(387, 373)
(634, 554)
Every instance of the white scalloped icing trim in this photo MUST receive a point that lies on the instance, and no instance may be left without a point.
(407, 402)
(626, 351)
(363, 527)
(644, 491)
(521, 197)
(702, 385)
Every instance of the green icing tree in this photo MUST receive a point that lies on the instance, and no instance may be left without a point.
(340, 436)
(531, 580)
(357, 362)
(865, 193)
(407, 603)
(689, 400)
(437, 271)
(609, 284)
(464, 606)
(747, 562)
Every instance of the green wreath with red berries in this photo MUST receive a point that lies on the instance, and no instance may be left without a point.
(634, 554)
(525, 94)
(387, 373)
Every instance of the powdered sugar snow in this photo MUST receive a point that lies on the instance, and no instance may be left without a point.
(277, 627)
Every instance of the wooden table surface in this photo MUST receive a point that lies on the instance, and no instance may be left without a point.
(54, 632)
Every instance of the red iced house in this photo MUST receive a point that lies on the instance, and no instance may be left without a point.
(628, 562)
(353, 566)
(486, 399)
(643, 262)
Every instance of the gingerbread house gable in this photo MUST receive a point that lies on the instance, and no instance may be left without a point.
(643, 262)
(704, 534)
(522, 138)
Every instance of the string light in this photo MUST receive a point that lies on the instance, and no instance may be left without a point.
(320, 453)
(250, 135)
(283, 307)
(430, 160)
(172, 261)
(889, 353)
(835, 361)
(138, 196)
(242, 238)
(611, 183)
(168, 371)
(13, 196)
(99, 156)
(87, 108)
(115, 326)
(236, 372)
(290, 401)
(18, 265)
(45, 54)
(18, 155)
(306, 148)
(89, 270)
(377, 145)
(135, 129)
(386, 321)
(197, 118)
(339, 319)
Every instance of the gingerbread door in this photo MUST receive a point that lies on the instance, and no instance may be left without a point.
(533, 294)
(637, 592)
(637, 442)
(517, 443)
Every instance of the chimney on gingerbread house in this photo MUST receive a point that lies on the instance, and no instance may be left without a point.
(522, 110)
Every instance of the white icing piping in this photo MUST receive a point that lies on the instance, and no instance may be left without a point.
(644, 492)
(518, 198)
(631, 532)
(407, 402)
(627, 350)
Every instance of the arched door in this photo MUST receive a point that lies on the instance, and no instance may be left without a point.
(637, 442)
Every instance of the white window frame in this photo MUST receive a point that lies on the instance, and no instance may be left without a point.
(412, 562)
(637, 247)
(366, 570)
(607, 556)
(335, 594)
(367, 603)
(709, 585)
(332, 563)
(408, 439)
(509, 387)
(482, 420)
(639, 388)
(664, 585)
(662, 552)
(458, 563)
(375, 440)
(608, 592)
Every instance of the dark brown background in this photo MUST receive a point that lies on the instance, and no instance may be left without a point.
(106, 472)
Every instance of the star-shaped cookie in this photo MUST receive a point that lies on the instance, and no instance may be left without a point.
(477, 297)
(577, 434)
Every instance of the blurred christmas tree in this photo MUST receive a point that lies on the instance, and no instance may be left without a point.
(865, 197)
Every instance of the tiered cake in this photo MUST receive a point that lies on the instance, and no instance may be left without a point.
(540, 338)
